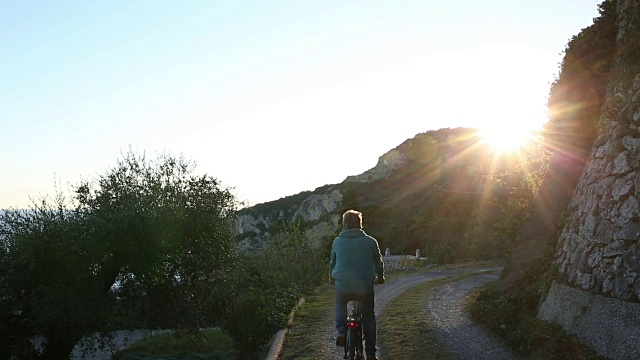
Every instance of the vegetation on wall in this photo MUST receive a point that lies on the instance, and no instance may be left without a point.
(577, 95)
(629, 49)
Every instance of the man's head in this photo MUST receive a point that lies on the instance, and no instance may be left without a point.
(352, 219)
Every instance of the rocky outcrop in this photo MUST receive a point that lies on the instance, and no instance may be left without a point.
(316, 206)
(248, 223)
(387, 163)
(253, 229)
(322, 230)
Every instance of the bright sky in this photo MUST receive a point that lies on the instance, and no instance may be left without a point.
(270, 97)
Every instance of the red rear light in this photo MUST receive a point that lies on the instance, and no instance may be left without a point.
(352, 324)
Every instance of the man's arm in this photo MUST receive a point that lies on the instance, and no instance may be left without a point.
(378, 263)
(332, 264)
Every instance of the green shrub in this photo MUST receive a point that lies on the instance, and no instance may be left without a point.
(255, 317)
(267, 286)
(210, 344)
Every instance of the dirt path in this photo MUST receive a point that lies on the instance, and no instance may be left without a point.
(385, 293)
(454, 327)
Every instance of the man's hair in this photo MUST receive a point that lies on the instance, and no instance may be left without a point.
(352, 219)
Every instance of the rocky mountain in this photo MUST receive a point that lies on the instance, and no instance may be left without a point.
(317, 208)
(428, 193)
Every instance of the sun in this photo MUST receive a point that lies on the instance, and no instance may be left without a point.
(503, 139)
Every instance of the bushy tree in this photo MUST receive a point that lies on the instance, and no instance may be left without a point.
(144, 245)
(270, 283)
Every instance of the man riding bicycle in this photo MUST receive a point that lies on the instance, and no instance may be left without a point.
(356, 264)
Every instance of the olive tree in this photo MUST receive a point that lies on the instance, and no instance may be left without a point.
(144, 245)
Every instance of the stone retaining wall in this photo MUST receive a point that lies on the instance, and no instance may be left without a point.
(609, 325)
(600, 244)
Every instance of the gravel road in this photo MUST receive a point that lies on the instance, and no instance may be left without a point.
(393, 288)
(455, 328)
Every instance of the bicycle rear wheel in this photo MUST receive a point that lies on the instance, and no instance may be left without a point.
(358, 342)
(352, 343)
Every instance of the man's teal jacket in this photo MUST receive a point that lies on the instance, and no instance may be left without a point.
(355, 261)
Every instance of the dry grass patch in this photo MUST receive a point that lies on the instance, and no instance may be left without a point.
(305, 338)
(404, 332)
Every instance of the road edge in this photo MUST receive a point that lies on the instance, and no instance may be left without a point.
(278, 338)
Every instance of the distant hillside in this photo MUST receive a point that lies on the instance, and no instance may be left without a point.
(443, 192)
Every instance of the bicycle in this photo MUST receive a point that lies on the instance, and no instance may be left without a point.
(353, 349)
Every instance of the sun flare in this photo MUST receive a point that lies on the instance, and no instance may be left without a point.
(507, 139)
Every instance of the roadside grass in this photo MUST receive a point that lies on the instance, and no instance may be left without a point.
(209, 344)
(507, 316)
(404, 330)
(511, 314)
(304, 340)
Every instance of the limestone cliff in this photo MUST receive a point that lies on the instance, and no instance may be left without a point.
(253, 227)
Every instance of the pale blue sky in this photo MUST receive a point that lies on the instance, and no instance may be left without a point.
(267, 96)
